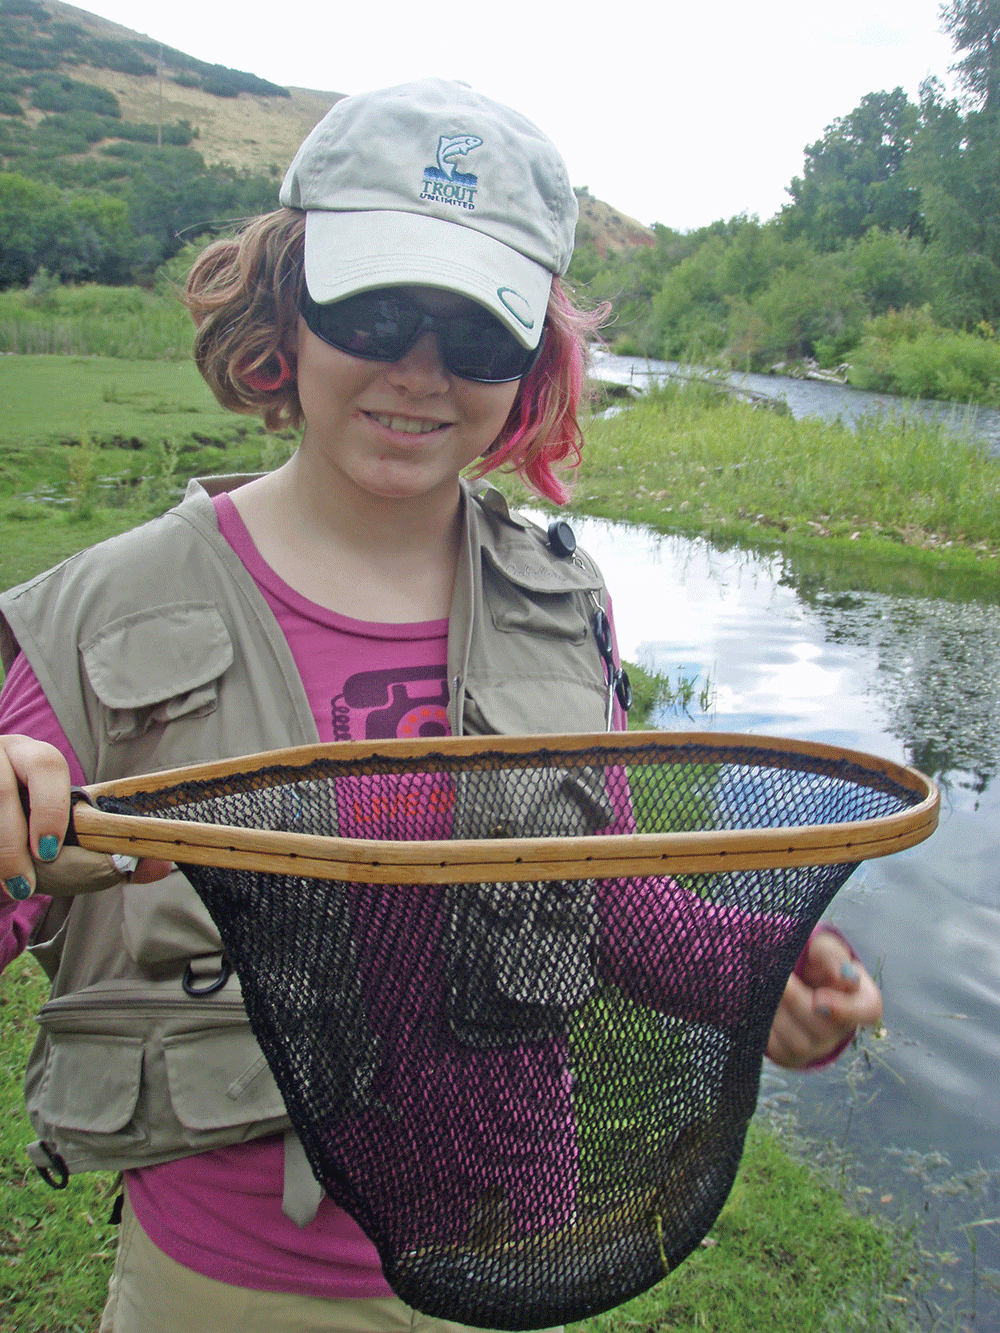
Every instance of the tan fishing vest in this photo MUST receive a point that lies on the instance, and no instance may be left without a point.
(179, 660)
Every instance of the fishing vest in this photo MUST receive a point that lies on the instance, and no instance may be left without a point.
(179, 660)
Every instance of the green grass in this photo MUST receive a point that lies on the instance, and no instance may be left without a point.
(56, 1247)
(688, 464)
(94, 321)
(90, 446)
(784, 1254)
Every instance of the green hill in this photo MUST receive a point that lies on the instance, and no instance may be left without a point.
(115, 149)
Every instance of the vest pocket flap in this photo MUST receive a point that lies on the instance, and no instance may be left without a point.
(550, 615)
(92, 1084)
(167, 655)
(219, 1078)
(549, 704)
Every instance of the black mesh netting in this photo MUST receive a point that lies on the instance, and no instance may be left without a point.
(532, 1096)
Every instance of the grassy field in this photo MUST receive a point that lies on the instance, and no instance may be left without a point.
(784, 1248)
(92, 445)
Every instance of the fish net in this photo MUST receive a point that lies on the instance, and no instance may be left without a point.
(516, 999)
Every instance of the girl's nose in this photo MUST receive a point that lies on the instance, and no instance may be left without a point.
(420, 370)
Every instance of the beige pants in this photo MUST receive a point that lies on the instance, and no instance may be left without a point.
(151, 1293)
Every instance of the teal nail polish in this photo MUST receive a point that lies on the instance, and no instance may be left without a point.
(849, 972)
(48, 847)
(18, 888)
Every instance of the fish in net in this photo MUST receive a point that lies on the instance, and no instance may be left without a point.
(516, 992)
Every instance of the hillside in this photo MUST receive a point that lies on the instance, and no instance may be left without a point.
(147, 143)
(240, 120)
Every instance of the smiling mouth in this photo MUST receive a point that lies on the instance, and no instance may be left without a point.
(407, 425)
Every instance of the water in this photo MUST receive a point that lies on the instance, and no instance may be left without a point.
(915, 679)
(813, 398)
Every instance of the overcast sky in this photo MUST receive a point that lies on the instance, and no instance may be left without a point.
(678, 113)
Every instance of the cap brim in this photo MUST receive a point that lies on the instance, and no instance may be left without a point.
(350, 252)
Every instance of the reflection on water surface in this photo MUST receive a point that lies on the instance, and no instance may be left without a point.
(915, 679)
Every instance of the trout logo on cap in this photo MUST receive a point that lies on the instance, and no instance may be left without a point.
(444, 183)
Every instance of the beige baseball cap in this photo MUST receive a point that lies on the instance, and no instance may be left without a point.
(432, 184)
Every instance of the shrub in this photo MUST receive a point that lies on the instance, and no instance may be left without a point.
(71, 95)
(179, 133)
(905, 352)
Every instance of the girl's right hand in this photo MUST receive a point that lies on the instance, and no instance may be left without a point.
(32, 856)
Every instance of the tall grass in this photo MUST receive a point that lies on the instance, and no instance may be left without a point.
(51, 319)
(688, 461)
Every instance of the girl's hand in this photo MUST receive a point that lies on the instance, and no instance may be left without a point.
(820, 1012)
(32, 857)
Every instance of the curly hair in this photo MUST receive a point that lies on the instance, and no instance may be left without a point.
(243, 294)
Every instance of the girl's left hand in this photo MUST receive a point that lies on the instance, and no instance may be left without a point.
(819, 1013)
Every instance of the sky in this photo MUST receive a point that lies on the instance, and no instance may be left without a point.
(679, 113)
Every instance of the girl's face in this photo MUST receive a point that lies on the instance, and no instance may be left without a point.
(401, 429)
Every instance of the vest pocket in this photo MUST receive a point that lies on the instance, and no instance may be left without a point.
(220, 1078)
(93, 1085)
(157, 666)
(130, 1074)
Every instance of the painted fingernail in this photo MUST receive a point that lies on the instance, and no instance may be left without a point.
(18, 888)
(849, 972)
(824, 1011)
(48, 847)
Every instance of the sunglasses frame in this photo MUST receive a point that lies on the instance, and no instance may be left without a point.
(311, 312)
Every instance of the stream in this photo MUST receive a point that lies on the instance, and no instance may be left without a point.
(911, 1120)
(814, 398)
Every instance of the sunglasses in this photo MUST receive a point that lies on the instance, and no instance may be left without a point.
(383, 325)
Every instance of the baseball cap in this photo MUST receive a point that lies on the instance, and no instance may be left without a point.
(432, 184)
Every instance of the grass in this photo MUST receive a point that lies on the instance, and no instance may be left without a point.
(692, 464)
(784, 1247)
(893, 504)
(94, 321)
(785, 1252)
(56, 1248)
(90, 446)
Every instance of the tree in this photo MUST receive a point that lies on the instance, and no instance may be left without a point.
(855, 176)
(956, 163)
(974, 28)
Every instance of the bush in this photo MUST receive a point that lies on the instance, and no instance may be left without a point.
(61, 134)
(179, 133)
(905, 352)
(809, 311)
(9, 105)
(71, 95)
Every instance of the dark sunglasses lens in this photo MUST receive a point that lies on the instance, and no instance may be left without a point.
(478, 347)
(377, 328)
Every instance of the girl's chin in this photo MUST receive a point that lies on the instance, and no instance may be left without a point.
(405, 483)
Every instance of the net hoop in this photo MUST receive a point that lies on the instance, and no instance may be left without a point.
(500, 860)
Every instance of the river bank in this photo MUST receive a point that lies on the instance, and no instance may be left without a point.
(903, 493)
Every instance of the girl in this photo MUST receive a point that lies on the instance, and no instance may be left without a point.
(404, 308)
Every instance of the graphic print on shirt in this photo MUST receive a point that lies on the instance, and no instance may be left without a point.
(403, 701)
